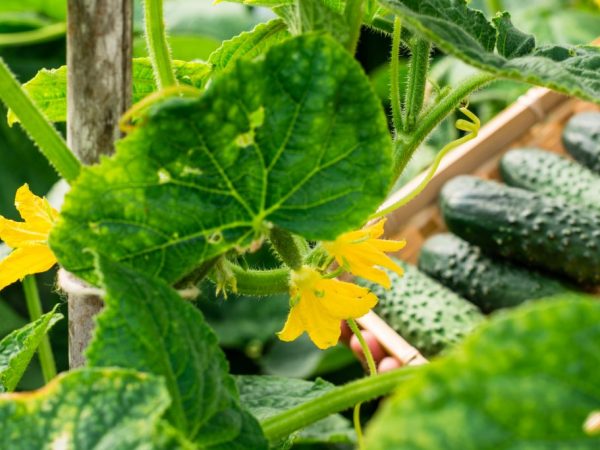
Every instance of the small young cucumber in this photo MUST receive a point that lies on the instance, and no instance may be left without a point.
(423, 311)
(551, 174)
(524, 226)
(581, 138)
(489, 283)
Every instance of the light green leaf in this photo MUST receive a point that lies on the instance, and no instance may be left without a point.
(466, 34)
(249, 44)
(146, 326)
(297, 139)
(48, 89)
(56, 9)
(17, 349)
(267, 396)
(527, 380)
(89, 409)
(314, 16)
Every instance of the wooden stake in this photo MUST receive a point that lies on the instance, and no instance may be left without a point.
(99, 56)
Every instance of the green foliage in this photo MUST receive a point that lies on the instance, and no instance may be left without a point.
(526, 380)
(270, 141)
(146, 326)
(248, 44)
(55, 9)
(466, 34)
(266, 396)
(17, 349)
(90, 409)
(48, 89)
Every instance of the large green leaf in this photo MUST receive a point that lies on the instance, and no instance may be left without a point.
(527, 381)
(48, 89)
(17, 349)
(466, 34)
(267, 396)
(108, 409)
(249, 44)
(297, 139)
(146, 326)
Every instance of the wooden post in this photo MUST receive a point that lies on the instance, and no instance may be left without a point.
(99, 56)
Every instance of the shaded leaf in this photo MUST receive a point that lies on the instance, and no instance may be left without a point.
(466, 34)
(272, 141)
(90, 409)
(48, 89)
(267, 396)
(146, 326)
(527, 380)
(17, 349)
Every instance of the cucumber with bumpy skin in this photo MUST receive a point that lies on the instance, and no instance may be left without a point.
(524, 226)
(423, 311)
(551, 174)
(489, 283)
(581, 138)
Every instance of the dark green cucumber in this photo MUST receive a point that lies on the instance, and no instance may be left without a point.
(551, 174)
(423, 311)
(489, 283)
(581, 138)
(524, 226)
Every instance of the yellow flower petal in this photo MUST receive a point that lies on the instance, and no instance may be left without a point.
(321, 305)
(25, 261)
(33, 209)
(17, 234)
(360, 251)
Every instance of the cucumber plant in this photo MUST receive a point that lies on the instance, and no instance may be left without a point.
(279, 139)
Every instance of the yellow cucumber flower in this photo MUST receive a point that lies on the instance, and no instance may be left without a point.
(319, 305)
(28, 239)
(359, 251)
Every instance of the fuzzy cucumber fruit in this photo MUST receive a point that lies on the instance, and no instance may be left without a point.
(581, 138)
(489, 283)
(423, 311)
(524, 226)
(551, 174)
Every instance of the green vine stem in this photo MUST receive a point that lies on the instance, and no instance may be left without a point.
(338, 399)
(354, 16)
(50, 143)
(39, 35)
(260, 282)
(286, 247)
(395, 75)
(34, 307)
(372, 372)
(417, 80)
(158, 47)
(407, 144)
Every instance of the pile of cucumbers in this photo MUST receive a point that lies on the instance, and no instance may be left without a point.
(535, 236)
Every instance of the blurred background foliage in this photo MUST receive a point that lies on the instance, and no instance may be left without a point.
(245, 326)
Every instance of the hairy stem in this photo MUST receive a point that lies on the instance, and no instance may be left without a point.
(39, 35)
(407, 144)
(158, 47)
(45, 136)
(334, 401)
(285, 245)
(417, 80)
(260, 282)
(395, 75)
(34, 307)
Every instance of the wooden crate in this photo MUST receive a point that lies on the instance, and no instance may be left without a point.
(535, 120)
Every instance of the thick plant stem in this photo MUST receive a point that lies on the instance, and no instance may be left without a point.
(158, 47)
(405, 147)
(334, 401)
(34, 307)
(99, 39)
(354, 16)
(417, 80)
(395, 75)
(286, 247)
(50, 143)
(43, 34)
